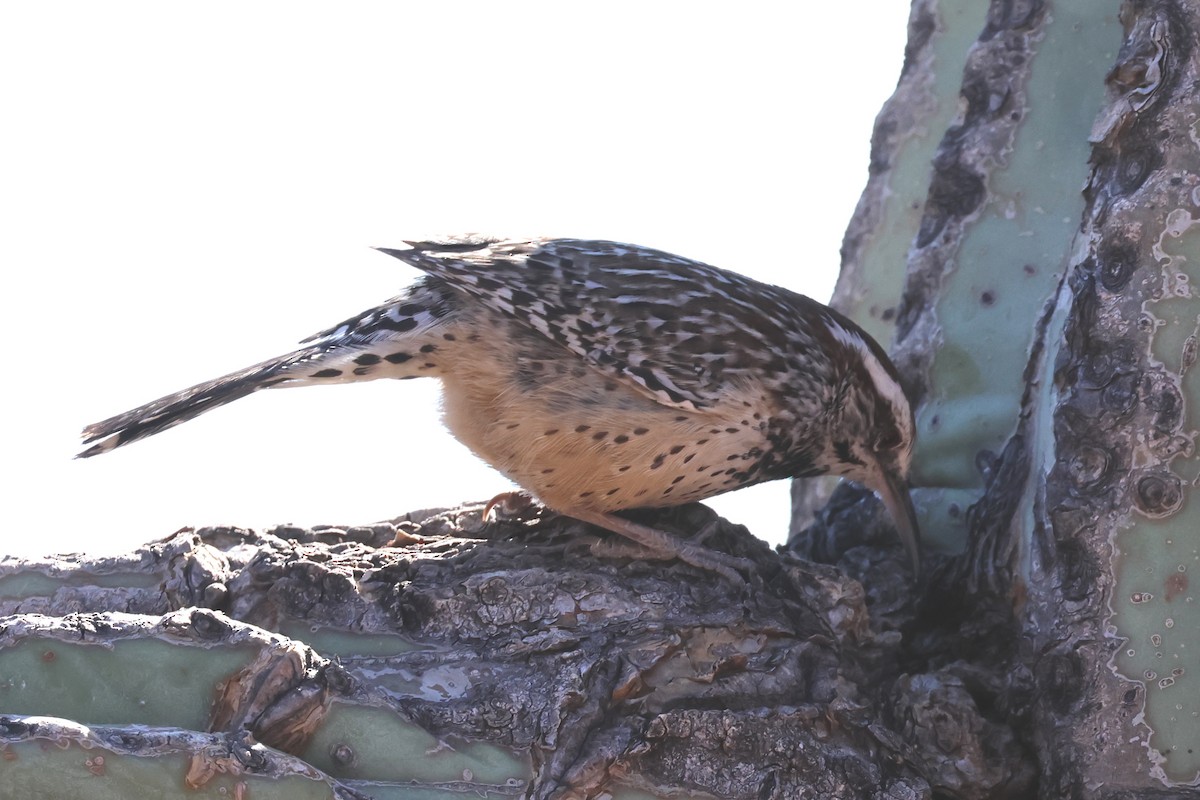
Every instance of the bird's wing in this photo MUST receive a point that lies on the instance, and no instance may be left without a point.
(681, 331)
(420, 305)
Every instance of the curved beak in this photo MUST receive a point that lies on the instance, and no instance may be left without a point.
(894, 493)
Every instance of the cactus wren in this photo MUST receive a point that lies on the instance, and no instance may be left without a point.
(602, 376)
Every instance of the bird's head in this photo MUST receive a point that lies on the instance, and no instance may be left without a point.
(873, 428)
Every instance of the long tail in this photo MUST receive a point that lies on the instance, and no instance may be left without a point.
(167, 412)
(399, 339)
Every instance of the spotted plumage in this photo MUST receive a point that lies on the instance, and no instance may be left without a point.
(602, 376)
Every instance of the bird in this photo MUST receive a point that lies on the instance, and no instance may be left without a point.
(602, 377)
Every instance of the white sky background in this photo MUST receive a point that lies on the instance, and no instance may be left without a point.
(188, 189)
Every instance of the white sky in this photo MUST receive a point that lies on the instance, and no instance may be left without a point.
(187, 189)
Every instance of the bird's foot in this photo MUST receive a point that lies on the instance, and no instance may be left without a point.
(512, 506)
(660, 544)
(610, 548)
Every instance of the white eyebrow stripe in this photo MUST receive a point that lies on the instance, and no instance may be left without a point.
(850, 339)
(884, 382)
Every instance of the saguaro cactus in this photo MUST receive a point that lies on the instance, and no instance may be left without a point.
(1048, 328)
(1025, 243)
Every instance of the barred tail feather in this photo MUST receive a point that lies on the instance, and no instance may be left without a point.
(403, 338)
(167, 412)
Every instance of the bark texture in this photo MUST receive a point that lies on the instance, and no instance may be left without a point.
(583, 676)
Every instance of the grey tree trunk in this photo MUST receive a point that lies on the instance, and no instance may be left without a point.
(1036, 284)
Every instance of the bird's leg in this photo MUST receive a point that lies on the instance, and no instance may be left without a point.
(705, 533)
(665, 545)
(648, 542)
